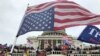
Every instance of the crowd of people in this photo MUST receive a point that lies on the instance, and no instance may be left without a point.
(23, 49)
(69, 50)
(5, 50)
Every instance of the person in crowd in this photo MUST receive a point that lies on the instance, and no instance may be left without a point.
(2, 53)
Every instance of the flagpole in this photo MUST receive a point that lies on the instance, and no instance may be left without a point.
(13, 45)
(16, 37)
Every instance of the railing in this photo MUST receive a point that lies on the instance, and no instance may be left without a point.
(71, 54)
(83, 55)
(56, 52)
(66, 53)
(32, 54)
(17, 54)
(23, 54)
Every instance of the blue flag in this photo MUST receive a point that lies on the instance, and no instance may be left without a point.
(90, 34)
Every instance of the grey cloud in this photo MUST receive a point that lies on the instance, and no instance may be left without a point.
(12, 11)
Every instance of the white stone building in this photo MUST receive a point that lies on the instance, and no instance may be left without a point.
(52, 38)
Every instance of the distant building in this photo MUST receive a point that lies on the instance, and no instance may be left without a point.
(52, 38)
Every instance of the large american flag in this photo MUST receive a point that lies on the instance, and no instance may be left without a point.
(56, 16)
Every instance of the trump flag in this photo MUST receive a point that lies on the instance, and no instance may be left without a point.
(56, 15)
(90, 34)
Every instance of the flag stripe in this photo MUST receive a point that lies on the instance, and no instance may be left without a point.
(58, 24)
(52, 3)
(67, 10)
(39, 8)
(68, 17)
(66, 26)
(70, 13)
(45, 6)
(70, 6)
(66, 20)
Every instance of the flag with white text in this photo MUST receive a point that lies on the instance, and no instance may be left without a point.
(90, 34)
(56, 15)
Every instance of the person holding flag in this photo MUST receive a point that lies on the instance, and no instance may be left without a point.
(67, 42)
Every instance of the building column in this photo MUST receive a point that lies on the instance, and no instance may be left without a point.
(39, 44)
(56, 42)
(45, 43)
(52, 43)
(62, 42)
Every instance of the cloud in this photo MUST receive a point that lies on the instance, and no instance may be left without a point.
(91, 5)
(12, 11)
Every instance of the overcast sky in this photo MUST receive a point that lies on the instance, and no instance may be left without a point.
(12, 11)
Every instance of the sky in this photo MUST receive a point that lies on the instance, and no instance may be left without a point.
(12, 11)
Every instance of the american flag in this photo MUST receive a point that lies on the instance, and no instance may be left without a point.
(56, 16)
(29, 41)
(67, 40)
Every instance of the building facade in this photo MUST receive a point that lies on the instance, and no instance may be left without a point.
(52, 38)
